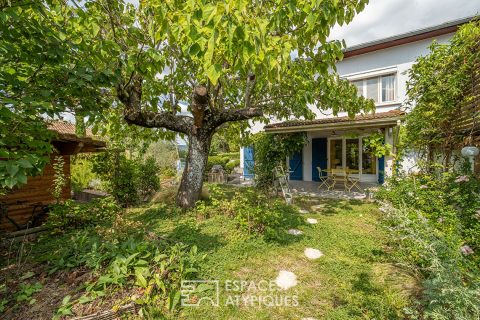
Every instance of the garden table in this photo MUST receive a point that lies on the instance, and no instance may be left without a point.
(342, 175)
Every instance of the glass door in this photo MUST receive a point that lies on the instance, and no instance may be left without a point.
(336, 153)
(352, 156)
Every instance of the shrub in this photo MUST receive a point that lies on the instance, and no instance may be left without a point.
(272, 150)
(168, 172)
(254, 212)
(434, 221)
(127, 179)
(81, 172)
(148, 180)
(216, 160)
(232, 164)
(72, 214)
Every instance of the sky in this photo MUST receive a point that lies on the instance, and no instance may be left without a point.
(385, 18)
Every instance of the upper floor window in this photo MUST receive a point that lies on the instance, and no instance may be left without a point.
(380, 89)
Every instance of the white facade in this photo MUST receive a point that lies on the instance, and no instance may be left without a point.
(396, 60)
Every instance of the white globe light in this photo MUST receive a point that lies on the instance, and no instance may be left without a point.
(470, 151)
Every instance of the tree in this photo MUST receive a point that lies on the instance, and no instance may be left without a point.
(439, 88)
(46, 67)
(228, 61)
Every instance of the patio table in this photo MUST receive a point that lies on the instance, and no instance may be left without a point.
(343, 175)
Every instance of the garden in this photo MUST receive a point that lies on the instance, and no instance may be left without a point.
(169, 88)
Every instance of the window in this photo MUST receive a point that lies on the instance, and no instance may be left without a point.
(372, 89)
(379, 89)
(352, 155)
(359, 85)
(388, 88)
(336, 154)
(369, 161)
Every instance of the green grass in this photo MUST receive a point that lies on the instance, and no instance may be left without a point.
(353, 280)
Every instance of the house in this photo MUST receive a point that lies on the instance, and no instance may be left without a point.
(379, 71)
(21, 201)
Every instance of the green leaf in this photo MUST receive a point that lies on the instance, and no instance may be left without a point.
(214, 72)
(24, 163)
(141, 281)
(210, 49)
(12, 168)
(194, 49)
(21, 178)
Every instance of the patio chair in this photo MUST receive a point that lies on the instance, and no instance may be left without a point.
(324, 180)
(354, 182)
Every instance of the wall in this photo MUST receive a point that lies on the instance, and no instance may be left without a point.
(37, 190)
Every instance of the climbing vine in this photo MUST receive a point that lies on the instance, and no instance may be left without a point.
(271, 150)
(59, 179)
(375, 143)
(438, 88)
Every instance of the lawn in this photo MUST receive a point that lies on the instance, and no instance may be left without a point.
(354, 279)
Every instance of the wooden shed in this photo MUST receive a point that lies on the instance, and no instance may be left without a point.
(38, 190)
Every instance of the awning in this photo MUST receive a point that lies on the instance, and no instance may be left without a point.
(374, 120)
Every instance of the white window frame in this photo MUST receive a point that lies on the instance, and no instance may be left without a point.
(364, 177)
(378, 75)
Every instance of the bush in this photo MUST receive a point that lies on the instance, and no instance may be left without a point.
(81, 172)
(148, 181)
(232, 164)
(126, 179)
(434, 222)
(216, 160)
(168, 172)
(72, 214)
(254, 212)
(272, 150)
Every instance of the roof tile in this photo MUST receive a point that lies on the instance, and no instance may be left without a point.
(366, 117)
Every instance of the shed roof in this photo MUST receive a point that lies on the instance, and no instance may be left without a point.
(65, 132)
(373, 119)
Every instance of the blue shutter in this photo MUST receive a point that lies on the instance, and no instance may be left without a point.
(296, 165)
(319, 157)
(381, 170)
(248, 162)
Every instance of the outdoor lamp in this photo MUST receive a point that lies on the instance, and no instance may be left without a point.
(470, 152)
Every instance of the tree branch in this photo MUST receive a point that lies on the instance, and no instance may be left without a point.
(230, 115)
(131, 97)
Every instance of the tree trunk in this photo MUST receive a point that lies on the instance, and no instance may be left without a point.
(192, 178)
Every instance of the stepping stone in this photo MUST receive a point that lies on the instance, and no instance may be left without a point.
(318, 207)
(312, 221)
(295, 232)
(302, 211)
(286, 279)
(313, 254)
(309, 318)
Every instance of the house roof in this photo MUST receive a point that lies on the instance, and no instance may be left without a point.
(367, 120)
(408, 37)
(65, 132)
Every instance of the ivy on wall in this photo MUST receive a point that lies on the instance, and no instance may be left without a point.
(438, 88)
(271, 150)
